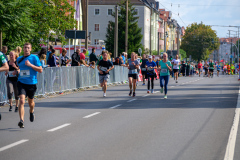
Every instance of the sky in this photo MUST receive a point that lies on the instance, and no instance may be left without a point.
(210, 12)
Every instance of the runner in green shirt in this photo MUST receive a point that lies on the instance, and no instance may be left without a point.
(211, 68)
(165, 68)
(3, 67)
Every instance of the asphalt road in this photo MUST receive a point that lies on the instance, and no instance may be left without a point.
(192, 124)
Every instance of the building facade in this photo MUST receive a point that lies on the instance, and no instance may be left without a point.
(100, 13)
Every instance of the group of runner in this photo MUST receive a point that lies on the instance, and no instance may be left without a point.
(25, 70)
(26, 67)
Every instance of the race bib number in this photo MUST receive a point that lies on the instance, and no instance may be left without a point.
(133, 71)
(143, 69)
(163, 70)
(24, 73)
(10, 74)
(150, 69)
(104, 69)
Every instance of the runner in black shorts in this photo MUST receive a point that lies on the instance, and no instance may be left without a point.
(29, 66)
(133, 65)
(143, 69)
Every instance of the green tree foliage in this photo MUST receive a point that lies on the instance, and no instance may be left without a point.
(182, 53)
(34, 20)
(134, 31)
(199, 41)
(15, 22)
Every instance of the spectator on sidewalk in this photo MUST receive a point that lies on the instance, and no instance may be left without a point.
(92, 64)
(49, 51)
(93, 56)
(52, 60)
(43, 61)
(42, 51)
(64, 58)
(82, 55)
(12, 80)
(18, 50)
(4, 51)
(75, 59)
(123, 57)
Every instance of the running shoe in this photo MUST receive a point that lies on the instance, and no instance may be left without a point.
(134, 94)
(148, 91)
(176, 81)
(130, 93)
(104, 94)
(10, 109)
(20, 124)
(165, 97)
(32, 116)
(152, 91)
(143, 84)
(161, 89)
(16, 109)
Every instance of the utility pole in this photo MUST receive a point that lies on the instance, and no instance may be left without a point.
(165, 45)
(86, 39)
(126, 30)
(150, 47)
(116, 33)
(231, 53)
(178, 41)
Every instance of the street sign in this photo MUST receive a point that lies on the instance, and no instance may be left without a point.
(140, 51)
(70, 34)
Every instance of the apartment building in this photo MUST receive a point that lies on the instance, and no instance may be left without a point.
(100, 13)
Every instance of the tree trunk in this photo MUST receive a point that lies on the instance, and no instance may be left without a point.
(0, 39)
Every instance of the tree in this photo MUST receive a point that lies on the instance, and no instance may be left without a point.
(52, 18)
(34, 20)
(199, 41)
(182, 53)
(15, 22)
(134, 31)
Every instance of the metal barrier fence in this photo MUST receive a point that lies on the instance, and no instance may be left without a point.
(59, 79)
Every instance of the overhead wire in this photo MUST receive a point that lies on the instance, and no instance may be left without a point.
(173, 13)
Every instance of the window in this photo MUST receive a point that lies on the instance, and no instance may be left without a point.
(96, 41)
(96, 27)
(97, 11)
(136, 11)
(110, 11)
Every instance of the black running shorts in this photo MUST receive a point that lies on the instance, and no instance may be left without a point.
(211, 70)
(175, 70)
(134, 76)
(27, 90)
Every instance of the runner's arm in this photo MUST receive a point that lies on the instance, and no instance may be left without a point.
(4, 67)
(36, 68)
(110, 69)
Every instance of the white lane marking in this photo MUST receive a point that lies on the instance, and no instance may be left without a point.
(229, 154)
(157, 92)
(115, 106)
(171, 86)
(13, 144)
(91, 115)
(146, 95)
(132, 100)
(183, 83)
(59, 127)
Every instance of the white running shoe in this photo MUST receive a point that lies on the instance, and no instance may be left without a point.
(165, 97)
(104, 94)
(176, 81)
(152, 91)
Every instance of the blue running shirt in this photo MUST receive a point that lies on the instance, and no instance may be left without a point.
(28, 75)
